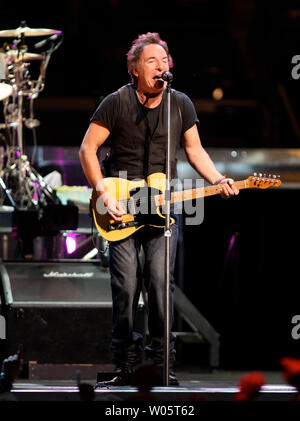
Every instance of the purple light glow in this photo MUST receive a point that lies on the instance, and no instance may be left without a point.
(71, 243)
(35, 197)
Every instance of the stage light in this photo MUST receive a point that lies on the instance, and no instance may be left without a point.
(217, 94)
(71, 243)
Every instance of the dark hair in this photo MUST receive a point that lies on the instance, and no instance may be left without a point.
(137, 47)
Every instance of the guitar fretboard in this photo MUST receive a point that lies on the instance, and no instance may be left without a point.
(183, 195)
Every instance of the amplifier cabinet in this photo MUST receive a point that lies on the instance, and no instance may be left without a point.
(60, 311)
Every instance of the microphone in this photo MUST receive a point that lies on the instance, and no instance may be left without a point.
(46, 41)
(167, 76)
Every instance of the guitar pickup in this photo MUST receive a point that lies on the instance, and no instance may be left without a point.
(122, 225)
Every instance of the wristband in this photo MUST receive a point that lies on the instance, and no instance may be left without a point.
(100, 187)
(219, 180)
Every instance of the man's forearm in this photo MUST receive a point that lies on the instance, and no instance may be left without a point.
(203, 164)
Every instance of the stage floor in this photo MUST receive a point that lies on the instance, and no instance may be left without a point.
(194, 386)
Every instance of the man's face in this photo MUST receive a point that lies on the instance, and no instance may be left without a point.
(153, 61)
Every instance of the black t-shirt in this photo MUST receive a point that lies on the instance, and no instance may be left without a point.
(108, 110)
(152, 115)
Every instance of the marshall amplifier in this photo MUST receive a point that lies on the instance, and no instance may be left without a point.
(60, 311)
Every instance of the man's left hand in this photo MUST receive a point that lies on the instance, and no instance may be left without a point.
(228, 188)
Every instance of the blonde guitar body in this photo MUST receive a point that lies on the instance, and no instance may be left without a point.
(123, 190)
(144, 208)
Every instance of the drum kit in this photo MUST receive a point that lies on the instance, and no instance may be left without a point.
(20, 184)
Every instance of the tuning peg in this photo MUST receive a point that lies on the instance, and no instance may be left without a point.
(274, 176)
(260, 174)
(255, 174)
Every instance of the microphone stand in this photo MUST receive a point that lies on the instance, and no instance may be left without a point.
(167, 234)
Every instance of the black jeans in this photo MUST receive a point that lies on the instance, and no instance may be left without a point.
(126, 284)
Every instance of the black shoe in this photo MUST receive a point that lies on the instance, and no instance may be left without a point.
(173, 381)
(150, 375)
(123, 378)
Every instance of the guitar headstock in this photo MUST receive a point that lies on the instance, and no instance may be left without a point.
(261, 181)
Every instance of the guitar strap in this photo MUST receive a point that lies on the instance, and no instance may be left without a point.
(147, 145)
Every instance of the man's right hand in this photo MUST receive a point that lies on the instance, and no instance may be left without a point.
(106, 203)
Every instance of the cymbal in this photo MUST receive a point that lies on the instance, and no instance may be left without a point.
(18, 56)
(5, 90)
(28, 32)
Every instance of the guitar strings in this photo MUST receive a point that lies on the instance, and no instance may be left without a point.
(139, 201)
(150, 200)
(144, 200)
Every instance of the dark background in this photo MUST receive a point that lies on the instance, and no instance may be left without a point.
(244, 47)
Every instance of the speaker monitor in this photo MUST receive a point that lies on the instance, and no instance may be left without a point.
(60, 311)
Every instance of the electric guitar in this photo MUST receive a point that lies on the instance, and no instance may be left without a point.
(145, 208)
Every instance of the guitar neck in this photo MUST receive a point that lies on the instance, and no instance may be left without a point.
(183, 195)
